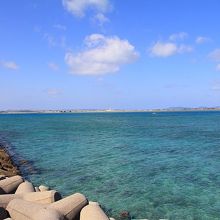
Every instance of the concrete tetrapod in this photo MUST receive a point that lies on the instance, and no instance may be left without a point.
(9, 185)
(67, 208)
(25, 187)
(43, 188)
(45, 197)
(23, 210)
(93, 211)
(70, 206)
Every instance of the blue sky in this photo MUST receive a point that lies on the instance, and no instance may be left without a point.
(119, 54)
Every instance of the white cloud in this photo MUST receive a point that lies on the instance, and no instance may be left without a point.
(101, 19)
(178, 36)
(78, 7)
(101, 55)
(55, 41)
(202, 40)
(53, 66)
(60, 27)
(9, 65)
(218, 67)
(215, 55)
(184, 48)
(166, 49)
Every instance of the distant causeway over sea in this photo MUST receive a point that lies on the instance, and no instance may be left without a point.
(153, 164)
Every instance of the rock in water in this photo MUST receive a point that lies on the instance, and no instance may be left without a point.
(124, 214)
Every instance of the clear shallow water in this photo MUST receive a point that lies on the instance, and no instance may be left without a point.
(164, 165)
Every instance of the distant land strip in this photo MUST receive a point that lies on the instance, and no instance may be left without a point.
(171, 109)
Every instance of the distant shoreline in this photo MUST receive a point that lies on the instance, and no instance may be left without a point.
(108, 111)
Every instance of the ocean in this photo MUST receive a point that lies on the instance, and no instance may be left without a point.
(164, 165)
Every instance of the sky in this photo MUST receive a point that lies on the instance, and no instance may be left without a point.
(109, 54)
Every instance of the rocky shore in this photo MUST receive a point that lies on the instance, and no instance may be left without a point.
(7, 166)
(21, 200)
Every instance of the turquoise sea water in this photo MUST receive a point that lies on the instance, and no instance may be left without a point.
(164, 165)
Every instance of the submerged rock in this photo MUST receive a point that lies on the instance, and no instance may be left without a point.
(21, 162)
(124, 214)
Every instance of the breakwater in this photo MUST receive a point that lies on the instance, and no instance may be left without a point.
(20, 199)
